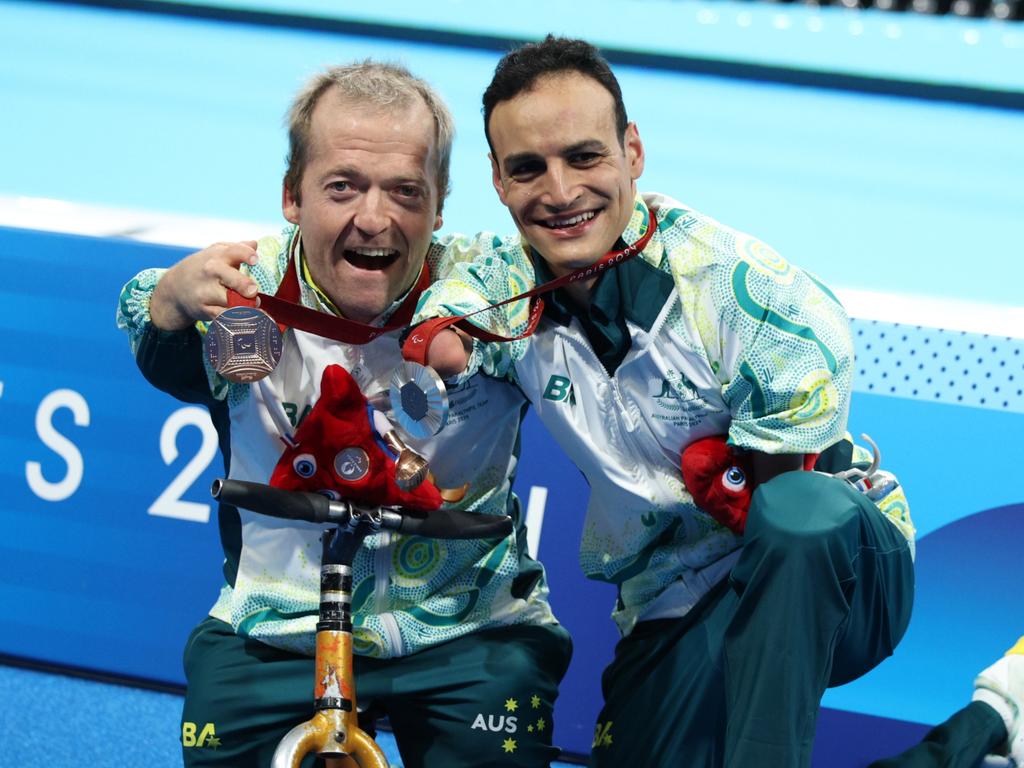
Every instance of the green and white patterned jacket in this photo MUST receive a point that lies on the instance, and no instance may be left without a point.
(409, 592)
(722, 336)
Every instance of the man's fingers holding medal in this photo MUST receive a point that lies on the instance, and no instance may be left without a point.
(225, 268)
(196, 287)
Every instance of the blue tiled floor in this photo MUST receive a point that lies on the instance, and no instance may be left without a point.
(54, 721)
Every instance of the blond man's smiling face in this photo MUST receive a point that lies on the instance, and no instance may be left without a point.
(368, 201)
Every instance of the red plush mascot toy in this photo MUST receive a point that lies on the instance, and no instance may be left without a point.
(337, 452)
(719, 478)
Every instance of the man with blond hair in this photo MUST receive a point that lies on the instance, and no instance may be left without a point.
(455, 640)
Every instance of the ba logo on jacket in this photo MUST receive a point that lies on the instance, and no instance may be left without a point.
(559, 390)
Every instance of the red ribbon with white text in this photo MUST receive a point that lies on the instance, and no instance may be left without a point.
(418, 343)
(286, 311)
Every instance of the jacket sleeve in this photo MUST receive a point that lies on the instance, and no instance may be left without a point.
(470, 275)
(172, 361)
(777, 339)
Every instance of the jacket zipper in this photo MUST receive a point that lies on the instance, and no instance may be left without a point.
(381, 572)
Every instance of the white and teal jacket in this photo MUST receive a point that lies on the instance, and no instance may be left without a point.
(408, 592)
(707, 331)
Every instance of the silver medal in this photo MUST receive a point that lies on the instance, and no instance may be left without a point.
(419, 400)
(243, 344)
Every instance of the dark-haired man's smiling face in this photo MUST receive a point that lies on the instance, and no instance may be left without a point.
(560, 168)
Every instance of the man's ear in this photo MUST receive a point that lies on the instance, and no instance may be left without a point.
(289, 205)
(496, 178)
(634, 149)
(438, 221)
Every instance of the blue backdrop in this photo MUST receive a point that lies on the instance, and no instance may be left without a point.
(109, 554)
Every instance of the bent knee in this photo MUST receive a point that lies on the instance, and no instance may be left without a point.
(798, 509)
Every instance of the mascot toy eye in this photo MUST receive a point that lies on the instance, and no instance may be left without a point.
(734, 479)
(304, 465)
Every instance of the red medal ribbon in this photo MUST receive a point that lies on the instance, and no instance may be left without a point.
(416, 346)
(284, 308)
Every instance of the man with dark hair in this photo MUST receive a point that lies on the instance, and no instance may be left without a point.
(669, 327)
(454, 640)
(521, 68)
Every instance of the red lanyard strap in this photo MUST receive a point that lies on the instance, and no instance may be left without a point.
(418, 342)
(284, 308)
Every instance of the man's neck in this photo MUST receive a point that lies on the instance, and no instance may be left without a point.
(581, 292)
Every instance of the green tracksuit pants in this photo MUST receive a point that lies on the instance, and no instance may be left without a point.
(821, 594)
(484, 699)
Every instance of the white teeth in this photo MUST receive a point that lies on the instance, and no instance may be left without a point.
(571, 222)
(374, 252)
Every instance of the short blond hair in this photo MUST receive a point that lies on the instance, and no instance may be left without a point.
(373, 83)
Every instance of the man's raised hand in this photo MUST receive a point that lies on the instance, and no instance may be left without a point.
(196, 287)
(449, 352)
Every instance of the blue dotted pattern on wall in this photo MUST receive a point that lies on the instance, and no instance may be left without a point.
(938, 365)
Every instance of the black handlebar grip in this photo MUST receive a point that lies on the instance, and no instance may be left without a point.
(455, 524)
(275, 502)
(315, 508)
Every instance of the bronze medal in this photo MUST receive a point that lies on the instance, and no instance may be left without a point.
(243, 344)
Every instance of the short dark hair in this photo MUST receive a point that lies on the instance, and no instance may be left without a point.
(520, 69)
